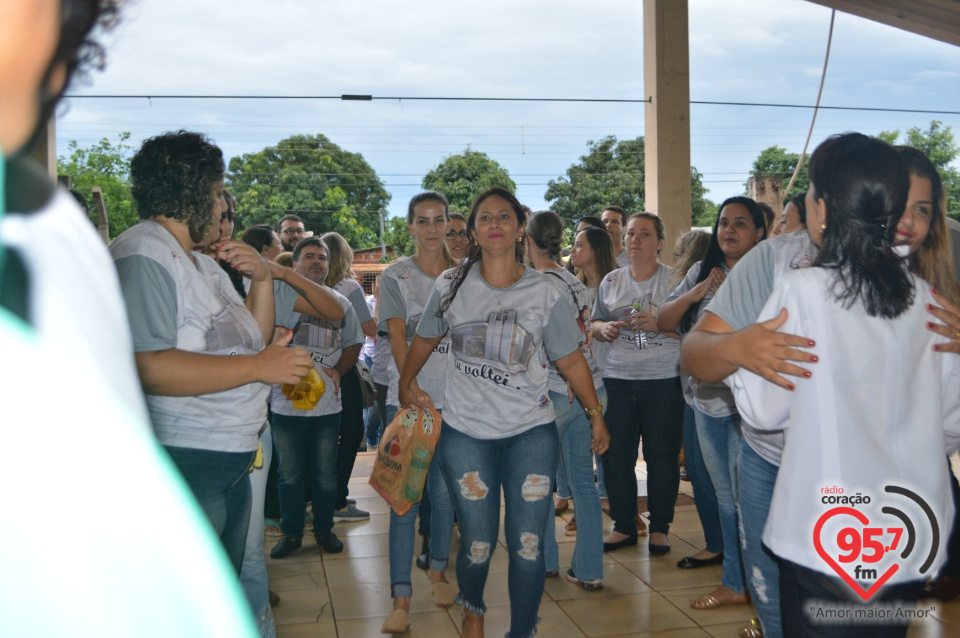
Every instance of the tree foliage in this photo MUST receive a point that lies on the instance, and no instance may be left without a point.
(612, 173)
(775, 160)
(463, 176)
(106, 165)
(940, 146)
(397, 236)
(310, 176)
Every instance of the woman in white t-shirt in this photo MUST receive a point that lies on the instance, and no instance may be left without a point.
(505, 323)
(867, 432)
(404, 288)
(642, 379)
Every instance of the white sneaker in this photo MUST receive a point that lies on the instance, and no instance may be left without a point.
(350, 514)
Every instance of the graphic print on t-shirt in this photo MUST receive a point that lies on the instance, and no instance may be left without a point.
(494, 349)
(321, 338)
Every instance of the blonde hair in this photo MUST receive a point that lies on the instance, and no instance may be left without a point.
(339, 257)
(693, 248)
(285, 259)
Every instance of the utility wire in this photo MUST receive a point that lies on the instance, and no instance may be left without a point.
(370, 98)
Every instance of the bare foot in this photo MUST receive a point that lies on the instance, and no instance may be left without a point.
(615, 537)
(472, 625)
(437, 576)
(719, 597)
(401, 603)
(659, 538)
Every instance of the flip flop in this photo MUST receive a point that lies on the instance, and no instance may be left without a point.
(396, 623)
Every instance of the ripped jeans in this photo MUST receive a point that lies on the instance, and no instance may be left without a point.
(475, 470)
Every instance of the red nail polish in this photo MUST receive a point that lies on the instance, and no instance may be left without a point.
(791, 387)
(814, 358)
(936, 348)
(808, 374)
(811, 343)
(934, 291)
(929, 307)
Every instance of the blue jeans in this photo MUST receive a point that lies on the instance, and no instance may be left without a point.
(221, 484)
(301, 440)
(756, 478)
(402, 528)
(703, 492)
(253, 572)
(475, 470)
(720, 445)
(576, 460)
(563, 487)
(651, 410)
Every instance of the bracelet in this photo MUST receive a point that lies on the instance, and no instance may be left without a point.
(595, 410)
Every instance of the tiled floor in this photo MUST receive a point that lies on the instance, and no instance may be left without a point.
(348, 595)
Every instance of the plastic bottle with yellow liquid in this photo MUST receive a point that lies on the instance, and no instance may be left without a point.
(306, 394)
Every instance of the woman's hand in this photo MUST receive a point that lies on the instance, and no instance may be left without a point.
(245, 260)
(768, 353)
(607, 331)
(949, 314)
(642, 320)
(600, 441)
(279, 364)
(414, 397)
(335, 377)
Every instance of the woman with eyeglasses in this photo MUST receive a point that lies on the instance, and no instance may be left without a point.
(457, 236)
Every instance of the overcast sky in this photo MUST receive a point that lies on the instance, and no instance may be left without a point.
(740, 51)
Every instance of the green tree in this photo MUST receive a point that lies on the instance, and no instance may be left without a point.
(612, 173)
(397, 236)
(463, 176)
(106, 165)
(940, 146)
(775, 160)
(310, 176)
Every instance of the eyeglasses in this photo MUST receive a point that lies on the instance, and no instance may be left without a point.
(292, 231)
(454, 234)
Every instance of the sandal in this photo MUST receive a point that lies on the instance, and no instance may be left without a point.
(709, 601)
(444, 594)
(570, 529)
(396, 623)
(751, 630)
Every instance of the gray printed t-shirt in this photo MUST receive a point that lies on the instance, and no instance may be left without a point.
(326, 341)
(352, 290)
(583, 300)
(404, 289)
(500, 341)
(173, 303)
(743, 295)
(284, 297)
(624, 360)
(713, 399)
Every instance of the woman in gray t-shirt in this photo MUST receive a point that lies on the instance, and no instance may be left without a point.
(505, 322)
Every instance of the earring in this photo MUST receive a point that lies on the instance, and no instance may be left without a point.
(519, 239)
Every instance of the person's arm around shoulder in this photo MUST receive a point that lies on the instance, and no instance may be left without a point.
(671, 312)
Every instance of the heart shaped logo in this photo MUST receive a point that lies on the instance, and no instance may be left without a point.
(860, 516)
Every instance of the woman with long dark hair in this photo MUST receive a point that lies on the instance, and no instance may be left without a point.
(544, 241)
(505, 322)
(739, 227)
(881, 410)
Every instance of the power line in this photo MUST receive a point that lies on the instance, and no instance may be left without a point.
(370, 98)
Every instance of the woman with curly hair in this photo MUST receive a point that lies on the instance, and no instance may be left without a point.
(200, 350)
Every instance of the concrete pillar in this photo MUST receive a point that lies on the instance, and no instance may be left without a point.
(666, 79)
(767, 189)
